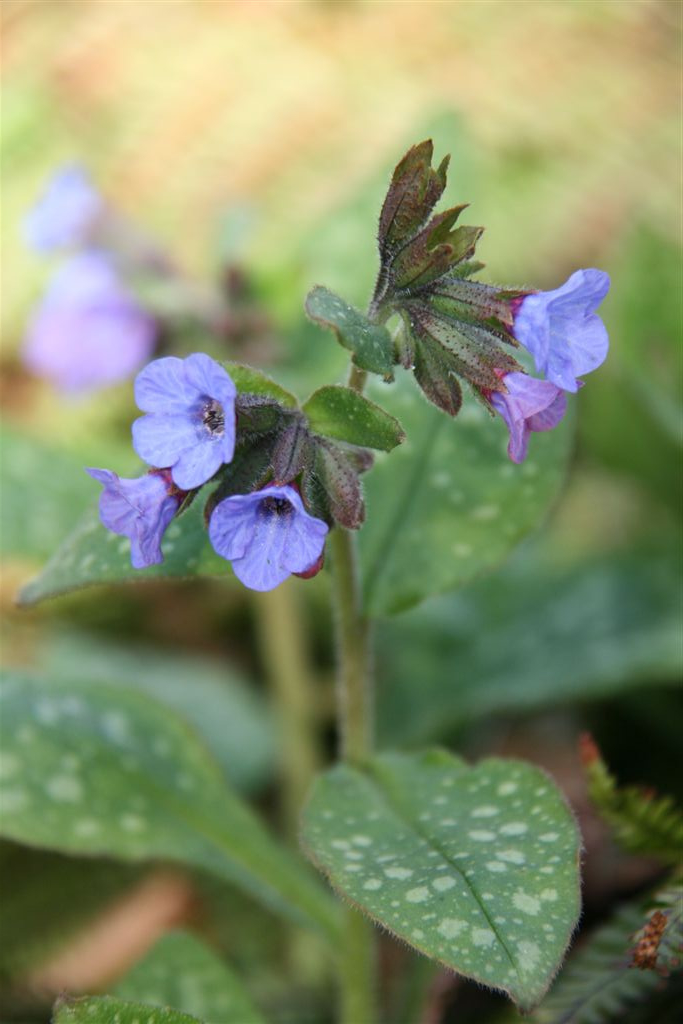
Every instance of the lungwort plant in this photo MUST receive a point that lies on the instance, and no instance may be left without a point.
(476, 866)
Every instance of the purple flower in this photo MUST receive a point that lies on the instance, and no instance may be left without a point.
(89, 331)
(191, 421)
(561, 329)
(140, 509)
(65, 213)
(529, 404)
(267, 535)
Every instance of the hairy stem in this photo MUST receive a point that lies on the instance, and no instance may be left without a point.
(283, 652)
(355, 724)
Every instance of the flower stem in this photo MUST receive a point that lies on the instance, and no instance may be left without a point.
(284, 656)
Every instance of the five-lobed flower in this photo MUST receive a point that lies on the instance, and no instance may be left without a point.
(190, 421)
(267, 536)
(561, 329)
(140, 509)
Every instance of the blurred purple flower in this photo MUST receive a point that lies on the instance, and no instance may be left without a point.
(89, 331)
(140, 509)
(267, 535)
(65, 213)
(191, 421)
(529, 405)
(562, 331)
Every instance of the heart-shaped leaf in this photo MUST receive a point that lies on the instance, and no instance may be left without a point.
(457, 506)
(344, 415)
(370, 343)
(107, 770)
(182, 972)
(476, 867)
(108, 1010)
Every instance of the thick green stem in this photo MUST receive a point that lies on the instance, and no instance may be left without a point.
(354, 686)
(283, 651)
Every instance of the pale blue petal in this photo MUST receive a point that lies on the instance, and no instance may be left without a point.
(162, 387)
(197, 464)
(161, 440)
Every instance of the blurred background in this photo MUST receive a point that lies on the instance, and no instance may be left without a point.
(254, 142)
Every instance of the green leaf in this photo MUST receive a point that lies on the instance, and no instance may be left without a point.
(231, 716)
(514, 636)
(111, 771)
(92, 554)
(458, 505)
(180, 971)
(108, 1010)
(370, 343)
(43, 491)
(476, 867)
(344, 415)
(249, 381)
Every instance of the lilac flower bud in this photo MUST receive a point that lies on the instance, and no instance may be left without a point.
(140, 509)
(561, 330)
(190, 425)
(529, 405)
(89, 331)
(65, 213)
(267, 535)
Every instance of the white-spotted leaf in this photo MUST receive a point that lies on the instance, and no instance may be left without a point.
(108, 1010)
(182, 972)
(477, 867)
(457, 504)
(370, 343)
(108, 770)
(91, 554)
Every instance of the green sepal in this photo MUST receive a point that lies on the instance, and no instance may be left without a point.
(413, 193)
(249, 381)
(435, 372)
(476, 353)
(370, 343)
(344, 415)
(249, 470)
(340, 480)
(257, 414)
(434, 251)
(292, 452)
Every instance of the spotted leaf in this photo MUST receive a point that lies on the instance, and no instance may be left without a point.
(476, 867)
(108, 770)
(108, 1010)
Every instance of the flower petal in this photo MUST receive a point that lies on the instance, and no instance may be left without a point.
(162, 387)
(197, 464)
(160, 440)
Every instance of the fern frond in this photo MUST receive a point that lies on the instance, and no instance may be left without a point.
(642, 822)
(600, 983)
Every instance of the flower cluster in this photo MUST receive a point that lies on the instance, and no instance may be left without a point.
(188, 434)
(567, 339)
(456, 328)
(89, 330)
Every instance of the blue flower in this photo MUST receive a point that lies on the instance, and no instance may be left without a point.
(89, 330)
(140, 509)
(529, 405)
(65, 213)
(191, 423)
(267, 535)
(561, 330)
